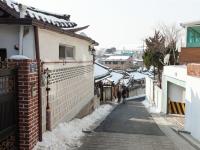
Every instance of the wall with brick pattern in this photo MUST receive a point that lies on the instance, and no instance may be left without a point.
(71, 89)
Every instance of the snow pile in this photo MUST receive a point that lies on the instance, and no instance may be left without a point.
(150, 107)
(19, 57)
(67, 135)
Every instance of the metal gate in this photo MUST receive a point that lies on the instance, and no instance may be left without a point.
(8, 107)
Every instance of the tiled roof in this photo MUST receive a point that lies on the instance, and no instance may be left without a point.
(61, 21)
(100, 72)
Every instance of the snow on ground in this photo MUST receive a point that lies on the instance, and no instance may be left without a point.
(150, 107)
(67, 136)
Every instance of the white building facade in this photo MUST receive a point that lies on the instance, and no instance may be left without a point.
(51, 39)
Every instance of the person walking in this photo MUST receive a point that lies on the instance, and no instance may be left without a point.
(127, 92)
(119, 95)
(124, 94)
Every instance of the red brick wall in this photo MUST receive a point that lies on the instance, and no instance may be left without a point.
(27, 103)
(193, 69)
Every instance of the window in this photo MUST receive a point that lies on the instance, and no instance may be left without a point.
(66, 52)
(3, 54)
(115, 62)
(193, 37)
(122, 62)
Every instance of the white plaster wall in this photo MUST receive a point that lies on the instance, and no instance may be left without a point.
(9, 35)
(178, 72)
(149, 89)
(176, 93)
(153, 94)
(49, 46)
(29, 43)
(192, 117)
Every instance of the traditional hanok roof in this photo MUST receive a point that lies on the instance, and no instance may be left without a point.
(100, 72)
(137, 76)
(115, 77)
(57, 22)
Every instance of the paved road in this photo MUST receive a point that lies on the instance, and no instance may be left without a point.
(128, 127)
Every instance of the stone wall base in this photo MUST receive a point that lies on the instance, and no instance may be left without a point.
(89, 108)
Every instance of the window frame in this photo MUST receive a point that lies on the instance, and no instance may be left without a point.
(115, 62)
(65, 57)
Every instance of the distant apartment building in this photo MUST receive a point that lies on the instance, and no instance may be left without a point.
(119, 62)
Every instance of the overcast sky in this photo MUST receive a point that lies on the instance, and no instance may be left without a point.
(122, 23)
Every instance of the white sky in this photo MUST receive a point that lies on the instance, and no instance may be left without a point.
(122, 23)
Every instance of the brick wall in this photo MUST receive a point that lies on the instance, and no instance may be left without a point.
(193, 69)
(27, 103)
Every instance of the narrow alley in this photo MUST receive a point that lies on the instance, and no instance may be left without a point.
(129, 127)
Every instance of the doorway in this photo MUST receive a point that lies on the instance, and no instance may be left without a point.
(3, 54)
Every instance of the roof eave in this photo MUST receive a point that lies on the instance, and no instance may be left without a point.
(18, 21)
(57, 29)
(190, 24)
(10, 11)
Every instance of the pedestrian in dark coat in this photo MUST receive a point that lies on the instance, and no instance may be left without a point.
(119, 95)
(124, 94)
(127, 92)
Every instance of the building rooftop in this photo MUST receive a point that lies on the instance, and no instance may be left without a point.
(117, 58)
(100, 72)
(27, 15)
(115, 77)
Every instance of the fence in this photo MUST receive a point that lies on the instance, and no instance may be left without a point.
(8, 107)
(153, 93)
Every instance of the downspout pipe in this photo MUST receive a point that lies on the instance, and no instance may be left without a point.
(22, 10)
(37, 50)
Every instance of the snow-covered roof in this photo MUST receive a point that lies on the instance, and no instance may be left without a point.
(126, 82)
(100, 72)
(123, 58)
(115, 77)
(138, 60)
(190, 24)
(48, 20)
(137, 76)
(62, 21)
(105, 67)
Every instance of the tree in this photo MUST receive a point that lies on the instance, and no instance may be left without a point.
(172, 37)
(155, 49)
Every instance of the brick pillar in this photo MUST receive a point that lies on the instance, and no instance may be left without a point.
(27, 103)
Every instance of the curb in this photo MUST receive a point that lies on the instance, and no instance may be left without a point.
(187, 137)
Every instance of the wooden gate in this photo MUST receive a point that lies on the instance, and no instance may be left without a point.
(8, 108)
